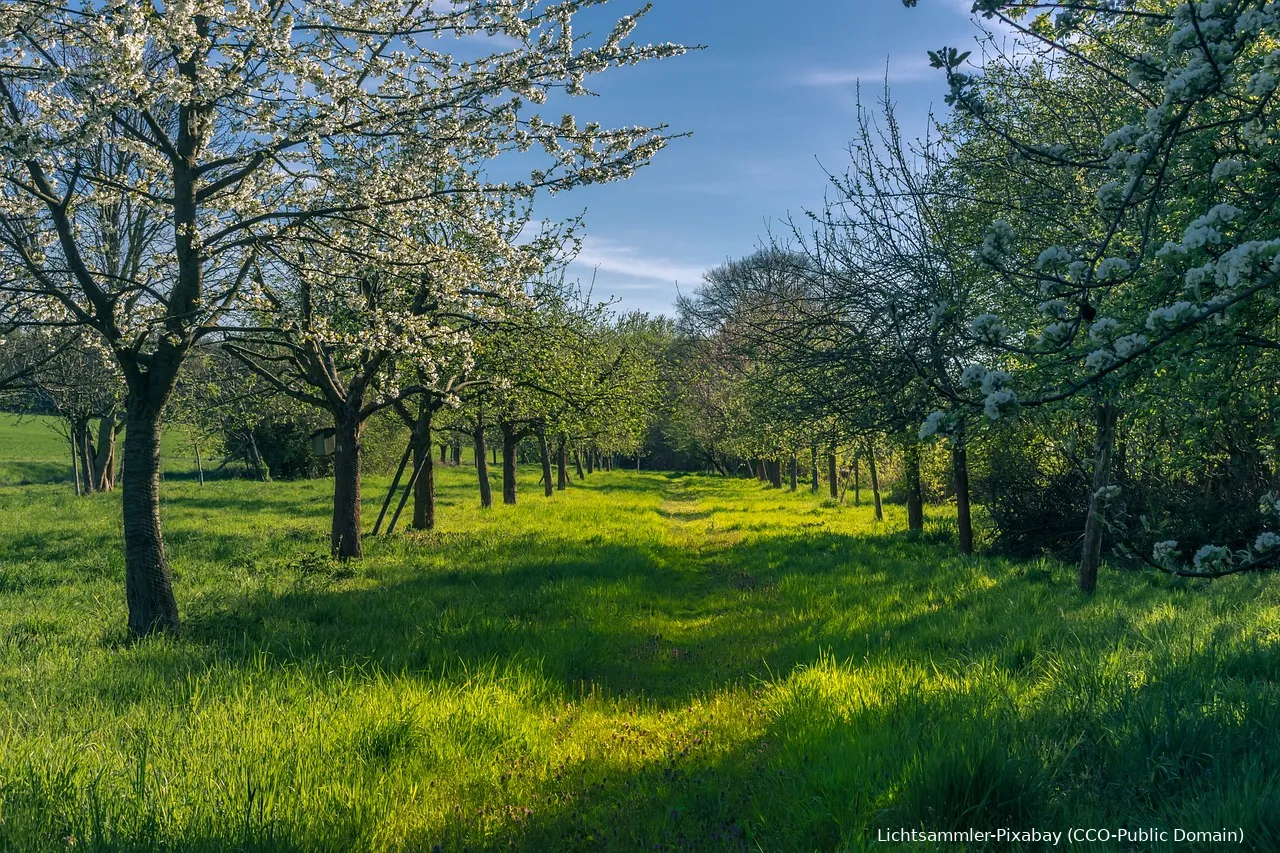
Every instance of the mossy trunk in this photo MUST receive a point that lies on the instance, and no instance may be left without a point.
(833, 475)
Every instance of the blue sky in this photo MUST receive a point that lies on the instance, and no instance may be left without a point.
(770, 101)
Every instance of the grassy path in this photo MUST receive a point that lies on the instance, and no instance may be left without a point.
(643, 662)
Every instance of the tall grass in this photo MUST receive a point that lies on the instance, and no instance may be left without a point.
(643, 662)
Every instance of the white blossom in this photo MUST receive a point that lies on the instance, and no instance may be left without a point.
(1212, 558)
(1054, 257)
(1170, 315)
(997, 242)
(1228, 168)
(972, 376)
(995, 380)
(1165, 553)
(933, 424)
(988, 328)
(1112, 268)
(1054, 309)
(1104, 329)
(1266, 541)
(999, 403)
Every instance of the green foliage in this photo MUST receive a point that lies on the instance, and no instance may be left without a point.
(642, 661)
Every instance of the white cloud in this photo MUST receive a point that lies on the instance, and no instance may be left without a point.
(911, 70)
(613, 257)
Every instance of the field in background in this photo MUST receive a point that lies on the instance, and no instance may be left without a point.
(645, 662)
(34, 450)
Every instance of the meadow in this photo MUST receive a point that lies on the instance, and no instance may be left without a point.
(647, 661)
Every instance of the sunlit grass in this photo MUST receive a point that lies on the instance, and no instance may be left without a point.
(644, 662)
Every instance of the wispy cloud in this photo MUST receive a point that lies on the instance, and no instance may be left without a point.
(912, 69)
(616, 258)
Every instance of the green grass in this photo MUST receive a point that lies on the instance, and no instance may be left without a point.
(645, 662)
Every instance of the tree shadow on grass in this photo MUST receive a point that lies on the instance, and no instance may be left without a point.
(15, 472)
(644, 621)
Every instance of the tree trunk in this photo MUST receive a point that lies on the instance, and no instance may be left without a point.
(444, 453)
(795, 471)
(1103, 447)
(857, 481)
(591, 461)
(960, 475)
(482, 468)
(199, 464)
(813, 463)
(875, 484)
(255, 456)
(80, 429)
(577, 461)
(457, 454)
(75, 461)
(548, 488)
(344, 536)
(775, 473)
(424, 487)
(833, 475)
(915, 498)
(148, 588)
(509, 442)
(562, 464)
(104, 461)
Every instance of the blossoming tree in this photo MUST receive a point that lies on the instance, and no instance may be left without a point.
(211, 131)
